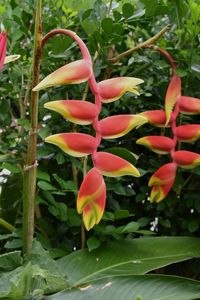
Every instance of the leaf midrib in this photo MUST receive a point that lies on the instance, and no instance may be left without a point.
(86, 278)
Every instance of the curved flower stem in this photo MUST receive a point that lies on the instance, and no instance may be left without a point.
(30, 170)
(166, 54)
(74, 36)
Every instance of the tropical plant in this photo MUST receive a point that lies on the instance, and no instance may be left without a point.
(116, 261)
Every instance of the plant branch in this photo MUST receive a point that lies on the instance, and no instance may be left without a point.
(7, 225)
(148, 42)
(30, 170)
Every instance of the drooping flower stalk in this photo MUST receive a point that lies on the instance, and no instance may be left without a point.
(163, 179)
(92, 196)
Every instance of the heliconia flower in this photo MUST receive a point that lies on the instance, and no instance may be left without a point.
(186, 159)
(114, 88)
(189, 105)
(159, 192)
(75, 144)
(113, 166)
(72, 73)
(163, 175)
(119, 125)
(92, 198)
(172, 96)
(76, 111)
(3, 40)
(188, 133)
(155, 117)
(158, 144)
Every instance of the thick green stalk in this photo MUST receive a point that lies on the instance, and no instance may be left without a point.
(30, 170)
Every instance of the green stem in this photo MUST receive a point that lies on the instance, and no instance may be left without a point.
(7, 225)
(30, 170)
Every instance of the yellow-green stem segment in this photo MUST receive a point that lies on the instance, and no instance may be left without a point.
(7, 225)
(30, 169)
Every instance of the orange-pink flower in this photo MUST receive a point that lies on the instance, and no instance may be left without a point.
(162, 181)
(92, 198)
(158, 144)
(186, 159)
(72, 73)
(74, 144)
(113, 166)
(189, 105)
(76, 111)
(119, 125)
(3, 40)
(188, 133)
(172, 96)
(114, 88)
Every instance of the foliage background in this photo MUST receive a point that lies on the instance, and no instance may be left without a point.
(108, 28)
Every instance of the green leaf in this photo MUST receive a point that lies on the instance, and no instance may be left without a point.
(123, 153)
(10, 261)
(127, 10)
(43, 175)
(43, 185)
(124, 190)
(134, 257)
(93, 243)
(66, 185)
(55, 280)
(193, 225)
(107, 25)
(11, 167)
(13, 285)
(59, 210)
(121, 214)
(146, 287)
(131, 227)
(13, 244)
(151, 6)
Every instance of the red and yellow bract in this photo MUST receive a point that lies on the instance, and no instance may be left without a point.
(189, 105)
(72, 73)
(163, 175)
(158, 144)
(119, 125)
(155, 117)
(114, 88)
(113, 166)
(77, 111)
(92, 198)
(188, 133)
(186, 159)
(75, 144)
(172, 96)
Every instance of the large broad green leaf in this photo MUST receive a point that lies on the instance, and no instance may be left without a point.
(122, 258)
(143, 287)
